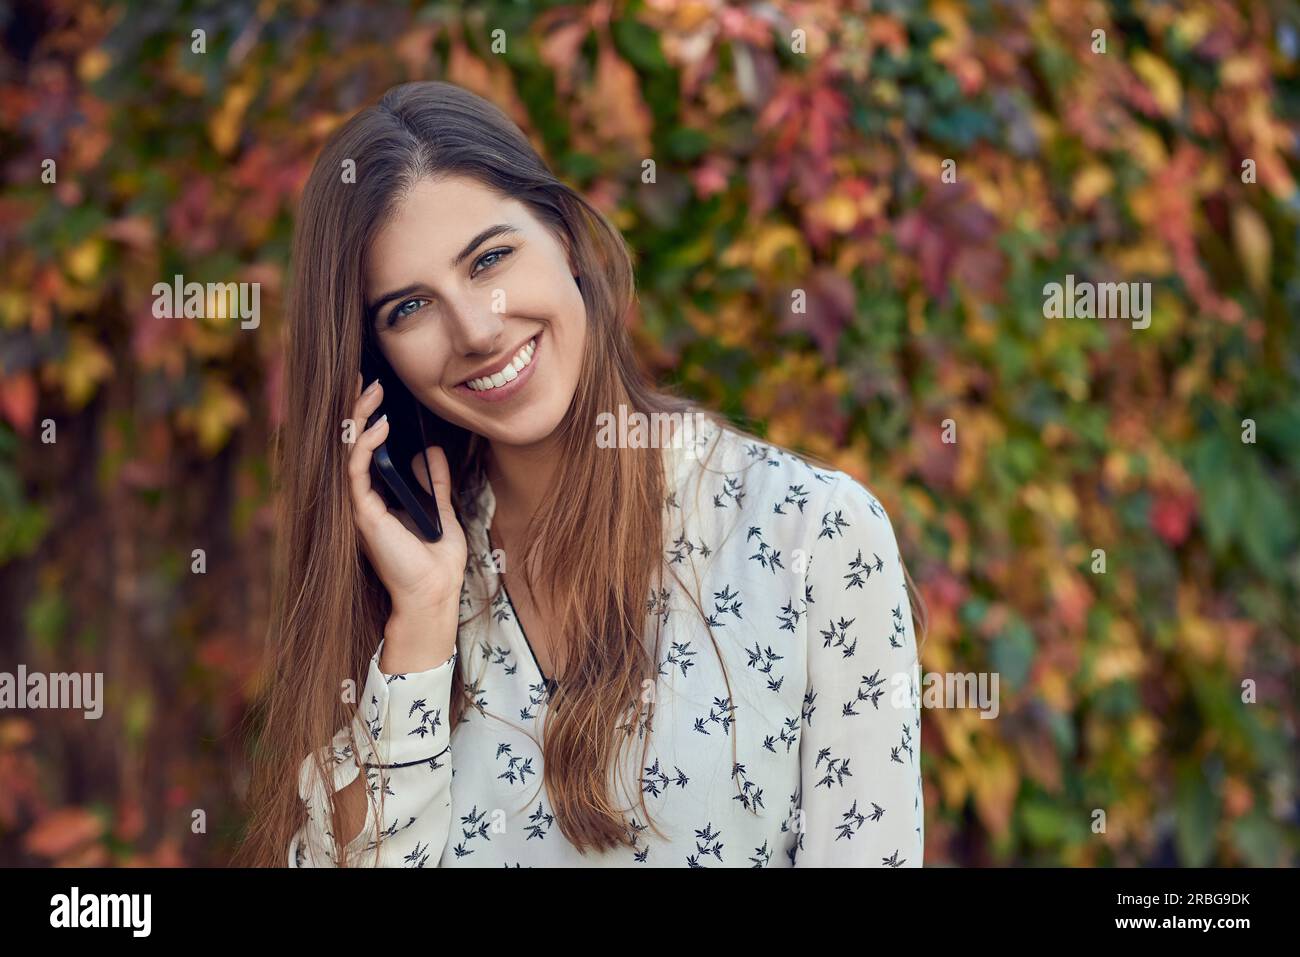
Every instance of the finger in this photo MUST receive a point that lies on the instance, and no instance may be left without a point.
(368, 502)
(437, 462)
(366, 403)
(441, 474)
(362, 408)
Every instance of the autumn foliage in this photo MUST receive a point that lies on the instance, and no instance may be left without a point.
(913, 175)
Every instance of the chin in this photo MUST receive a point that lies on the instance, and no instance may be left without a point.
(526, 427)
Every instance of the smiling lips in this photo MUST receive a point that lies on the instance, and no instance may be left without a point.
(506, 380)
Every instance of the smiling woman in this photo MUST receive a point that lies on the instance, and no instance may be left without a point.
(460, 322)
(494, 299)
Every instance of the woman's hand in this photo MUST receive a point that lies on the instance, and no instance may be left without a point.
(423, 579)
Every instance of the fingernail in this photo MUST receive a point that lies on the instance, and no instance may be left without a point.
(371, 388)
(382, 418)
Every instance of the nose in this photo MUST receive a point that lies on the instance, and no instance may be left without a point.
(475, 328)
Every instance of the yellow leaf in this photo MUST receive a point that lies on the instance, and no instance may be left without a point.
(1091, 183)
(84, 259)
(955, 787)
(1147, 149)
(16, 733)
(954, 729)
(1161, 80)
(13, 308)
(1120, 659)
(1253, 244)
(1190, 26)
(226, 123)
(1240, 70)
(219, 410)
(837, 211)
(1149, 256)
(1054, 690)
(995, 790)
(1144, 734)
(92, 65)
(773, 240)
(956, 32)
(977, 328)
(737, 330)
(1209, 178)
(886, 93)
(1064, 506)
(83, 368)
(1196, 633)
(688, 15)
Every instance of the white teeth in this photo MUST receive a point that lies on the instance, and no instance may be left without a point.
(509, 372)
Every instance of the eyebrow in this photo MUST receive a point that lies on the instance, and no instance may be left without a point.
(481, 238)
(498, 230)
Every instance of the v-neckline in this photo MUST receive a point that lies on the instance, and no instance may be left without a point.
(549, 682)
(679, 463)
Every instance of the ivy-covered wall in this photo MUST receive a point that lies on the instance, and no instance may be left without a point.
(855, 217)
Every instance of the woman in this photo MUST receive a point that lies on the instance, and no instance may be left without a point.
(697, 653)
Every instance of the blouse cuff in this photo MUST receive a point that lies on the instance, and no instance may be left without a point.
(408, 714)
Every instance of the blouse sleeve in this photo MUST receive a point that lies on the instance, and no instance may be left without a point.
(408, 715)
(859, 750)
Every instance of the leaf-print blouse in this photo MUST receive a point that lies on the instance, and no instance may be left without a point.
(800, 577)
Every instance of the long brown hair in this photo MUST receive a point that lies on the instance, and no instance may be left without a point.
(330, 607)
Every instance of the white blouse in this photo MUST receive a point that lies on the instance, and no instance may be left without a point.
(800, 571)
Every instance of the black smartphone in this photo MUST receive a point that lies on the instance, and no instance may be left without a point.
(407, 438)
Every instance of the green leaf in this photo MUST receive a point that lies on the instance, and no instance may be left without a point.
(1258, 838)
(1198, 814)
(687, 144)
(1013, 653)
(1220, 509)
(639, 44)
(1266, 523)
(47, 617)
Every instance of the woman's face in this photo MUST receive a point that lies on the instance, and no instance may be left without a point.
(474, 304)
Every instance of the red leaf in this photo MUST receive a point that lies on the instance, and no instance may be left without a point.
(18, 401)
(1171, 516)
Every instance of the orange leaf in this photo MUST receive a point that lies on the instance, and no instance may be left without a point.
(559, 51)
(619, 113)
(62, 832)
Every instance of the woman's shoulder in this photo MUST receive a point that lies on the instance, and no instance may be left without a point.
(720, 449)
(772, 487)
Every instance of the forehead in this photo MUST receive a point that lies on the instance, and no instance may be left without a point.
(432, 221)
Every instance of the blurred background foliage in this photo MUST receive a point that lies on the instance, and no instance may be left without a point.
(1169, 158)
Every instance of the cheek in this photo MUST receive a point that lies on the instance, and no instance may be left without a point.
(581, 325)
(535, 293)
(417, 359)
(578, 331)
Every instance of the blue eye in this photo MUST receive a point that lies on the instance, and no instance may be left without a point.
(501, 251)
(401, 312)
